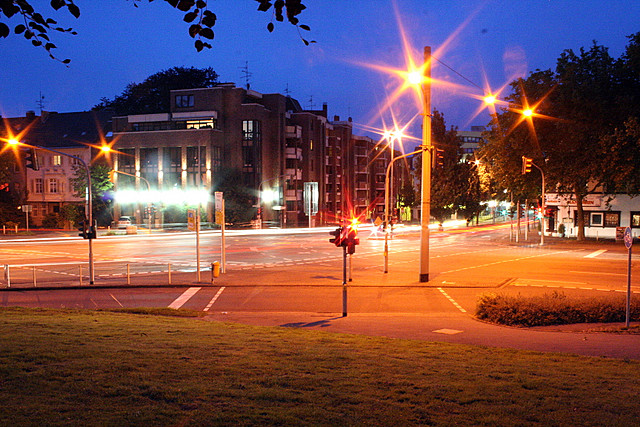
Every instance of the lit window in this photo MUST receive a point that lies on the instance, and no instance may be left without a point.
(57, 160)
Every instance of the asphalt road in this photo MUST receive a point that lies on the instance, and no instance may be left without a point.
(296, 280)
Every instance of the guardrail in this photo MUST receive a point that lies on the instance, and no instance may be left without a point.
(24, 276)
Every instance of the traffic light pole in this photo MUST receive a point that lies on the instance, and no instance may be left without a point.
(344, 281)
(386, 207)
(88, 205)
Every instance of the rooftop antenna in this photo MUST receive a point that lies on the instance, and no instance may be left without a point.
(287, 92)
(311, 104)
(246, 74)
(40, 102)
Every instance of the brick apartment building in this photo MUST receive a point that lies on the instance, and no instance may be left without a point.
(276, 146)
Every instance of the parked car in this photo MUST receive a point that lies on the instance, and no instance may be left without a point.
(123, 222)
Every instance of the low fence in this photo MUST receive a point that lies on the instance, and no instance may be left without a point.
(77, 274)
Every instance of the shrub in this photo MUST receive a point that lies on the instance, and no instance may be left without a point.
(553, 309)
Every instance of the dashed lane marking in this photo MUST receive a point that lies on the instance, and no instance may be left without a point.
(596, 253)
(186, 295)
(214, 299)
(458, 306)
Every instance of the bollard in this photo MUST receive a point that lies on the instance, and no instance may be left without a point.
(128, 275)
(34, 276)
(16, 229)
(7, 275)
(80, 275)
(215, 270)
(169, 271)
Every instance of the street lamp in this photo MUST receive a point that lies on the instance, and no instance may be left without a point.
(88, 204)
(426, 166)
(386, 205)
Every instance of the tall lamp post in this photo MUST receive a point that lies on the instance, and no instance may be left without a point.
(426, 166)
(386, 205)
(88, 204)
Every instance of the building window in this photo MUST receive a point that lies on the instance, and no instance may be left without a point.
(251, 148)
(596, 219)
(53, 185)
(184, 101)
(56, 160)
(172, 166)
(612, 219)
(38, 186)
(196, 165)
(635, 219)
(201, 124)
(216, 159)
(149, 164)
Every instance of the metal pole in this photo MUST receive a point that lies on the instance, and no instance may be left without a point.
(628, 316)
(169, 272)
(34, 276)
(426, 167)
(80, 274)
(128, 275)
(7, 274)
(198, 242)
(350, 268)
(544, 208)
(344, 281)
(526, 219)
(222, 240)
(386, 206)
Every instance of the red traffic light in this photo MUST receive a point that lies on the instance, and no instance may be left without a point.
(337, 237)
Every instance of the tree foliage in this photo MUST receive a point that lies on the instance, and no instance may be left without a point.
(584, 133)
(36, 26)
(152, 95)
(101, 187)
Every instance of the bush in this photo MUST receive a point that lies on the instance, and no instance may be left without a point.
(553, 309)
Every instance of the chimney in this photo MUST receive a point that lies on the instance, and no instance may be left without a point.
(31, 115)
(336, 118)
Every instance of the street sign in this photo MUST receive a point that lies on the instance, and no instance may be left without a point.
(191, 219)
(628, 238)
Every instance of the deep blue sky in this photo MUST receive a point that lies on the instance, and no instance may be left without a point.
(118, 44)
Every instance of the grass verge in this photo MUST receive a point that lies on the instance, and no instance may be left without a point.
(62, 367)
(553, 309)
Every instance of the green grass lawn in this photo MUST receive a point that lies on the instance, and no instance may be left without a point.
(69, 367)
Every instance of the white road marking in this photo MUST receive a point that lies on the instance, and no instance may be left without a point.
(596, 253)
(600, 273)
(116, 300)
(186, 295)
(214, 299)
(447, 331)
(452, 300)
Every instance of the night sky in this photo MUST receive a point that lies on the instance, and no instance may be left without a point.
(487, 42)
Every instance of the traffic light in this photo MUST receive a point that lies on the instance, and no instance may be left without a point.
(352, 240)
(526, 165)
(31, 161)
(438, 157)
(91, 232)
(84, 229)
(337, 237)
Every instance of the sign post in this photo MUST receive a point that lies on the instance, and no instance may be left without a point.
(220, 220)
(628, 243)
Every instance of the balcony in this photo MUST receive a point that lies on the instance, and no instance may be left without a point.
(293, 132)
(293, 153)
